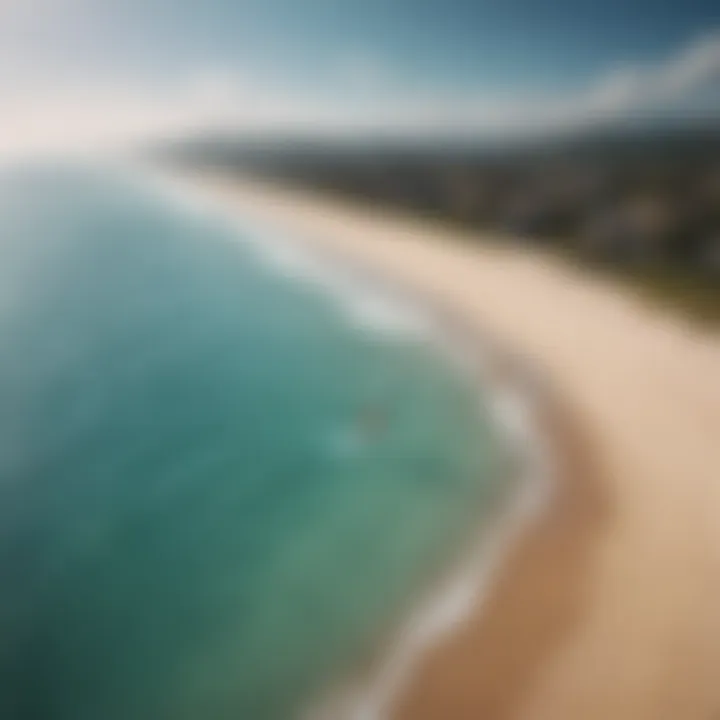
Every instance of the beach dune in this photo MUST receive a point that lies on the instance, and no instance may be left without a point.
(610, 607)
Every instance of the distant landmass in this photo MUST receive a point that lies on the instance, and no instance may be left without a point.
(643, 198)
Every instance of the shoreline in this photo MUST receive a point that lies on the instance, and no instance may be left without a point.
(482, 667)
(526, 650)
(517, 404)
(461, 589)
(511, 390)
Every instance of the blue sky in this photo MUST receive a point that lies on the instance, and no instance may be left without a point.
(356, 61)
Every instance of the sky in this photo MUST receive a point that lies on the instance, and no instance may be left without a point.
(103, 71)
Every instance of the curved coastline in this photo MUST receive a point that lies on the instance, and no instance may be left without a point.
(490, 587)
(512, 388)
(486, 593)
(463, 590)
(608, 609)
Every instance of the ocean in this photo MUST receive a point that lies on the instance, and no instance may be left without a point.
(224, 478)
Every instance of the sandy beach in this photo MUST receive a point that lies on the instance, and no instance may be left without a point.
(610, 607)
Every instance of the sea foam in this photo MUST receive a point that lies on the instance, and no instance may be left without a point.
(377, 307)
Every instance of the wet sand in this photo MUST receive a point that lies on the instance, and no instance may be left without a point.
(609, 608)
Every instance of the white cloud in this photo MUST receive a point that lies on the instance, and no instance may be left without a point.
(55, 115)
(698, 66)
(695, 67)
(669, 84)
(618, 91)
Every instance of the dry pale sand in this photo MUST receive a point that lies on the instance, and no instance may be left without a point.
(610, 609)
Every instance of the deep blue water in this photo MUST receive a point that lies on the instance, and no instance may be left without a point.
(217, 492)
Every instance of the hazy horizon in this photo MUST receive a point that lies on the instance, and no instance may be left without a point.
(89, 74)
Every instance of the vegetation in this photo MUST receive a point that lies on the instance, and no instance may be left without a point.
(641, 205)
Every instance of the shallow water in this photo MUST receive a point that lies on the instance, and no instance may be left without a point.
(219, 485)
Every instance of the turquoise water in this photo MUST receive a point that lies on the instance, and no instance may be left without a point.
(217, 492)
